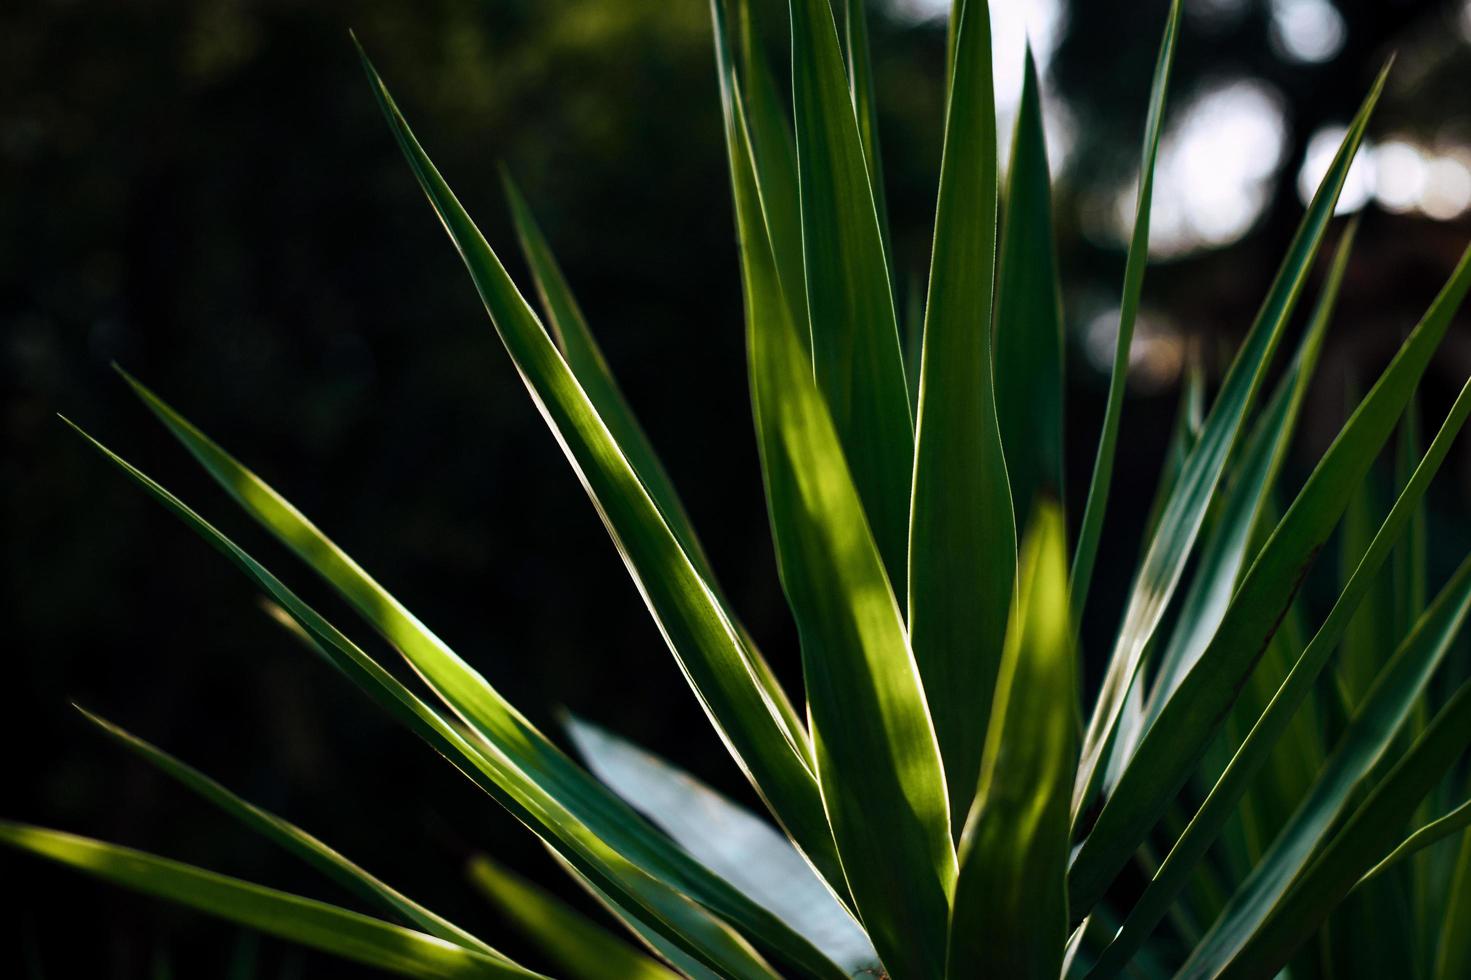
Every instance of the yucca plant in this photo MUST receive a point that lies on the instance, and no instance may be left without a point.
(947, 808)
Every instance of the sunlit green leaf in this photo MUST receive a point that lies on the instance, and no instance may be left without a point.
(855, 334)
(882, 783)
(662, 907)
(699, 634)
(490, 717)
(1010, 917)
(962, 535)
(334, 930)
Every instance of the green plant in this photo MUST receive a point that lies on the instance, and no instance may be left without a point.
(944, 787)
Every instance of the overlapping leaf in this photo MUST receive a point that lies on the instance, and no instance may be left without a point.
(661, 907)
(855, 334)
(1188, 721)
(700, 635)
(1403, 679)
(585, 359)
(962, 533)
(1368, 835)
(1180, 523)
(1387, 705)
(334, 930)
(1010, 917)
(490, 717)
(882, 782)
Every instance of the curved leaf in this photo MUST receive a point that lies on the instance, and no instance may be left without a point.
(331, 929)
(475, 701)
(1432, 833)
(1189, 720)
(700, 635)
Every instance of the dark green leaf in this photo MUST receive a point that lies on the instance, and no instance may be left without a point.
(1180, 523)
(296, 841)
(962, 535)
(662, 907)
(1189, 720)
(1365, 838)
(1087, 548)
(855, 334)
(569, 939)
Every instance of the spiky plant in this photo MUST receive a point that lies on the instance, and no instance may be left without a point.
(947, 809)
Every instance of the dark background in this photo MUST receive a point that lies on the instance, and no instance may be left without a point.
(204, 192)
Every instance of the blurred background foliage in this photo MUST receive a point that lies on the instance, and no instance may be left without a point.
(202, 190)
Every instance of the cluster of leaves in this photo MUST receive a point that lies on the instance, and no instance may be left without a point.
(946, 806)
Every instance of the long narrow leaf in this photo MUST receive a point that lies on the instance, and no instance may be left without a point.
(316, 924)
(774, 149)
(588, 365)
(1224, 557)
(1029, 341)
(1189, 720)
(1183, 516)
(1369, 833)
(879, 764)
(865, 107)
(699, 634)
(572, 941)
(1434, 832)
(662, 907)
(1098, 486)
(296, 841)
(1386, 707)
(1401, 681)
(1010, 917)
(855, 334)
(490, 716)
(962, 535)
(1453, 954)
